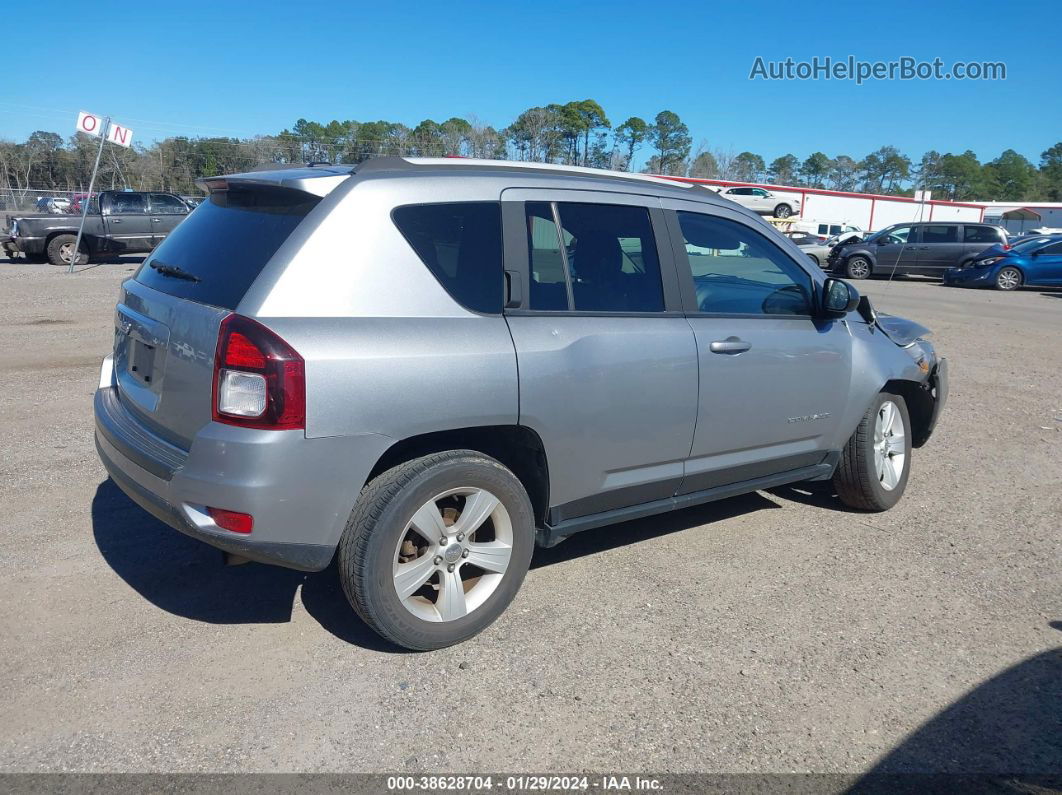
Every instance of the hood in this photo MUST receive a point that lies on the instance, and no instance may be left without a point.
(901, 330)
(997, 250)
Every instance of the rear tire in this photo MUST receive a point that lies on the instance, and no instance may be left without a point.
(1008, 279)
(857, 267)
(61, 249)
(872, 473)
(445, 596)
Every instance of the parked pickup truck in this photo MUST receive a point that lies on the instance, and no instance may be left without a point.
(120, 222)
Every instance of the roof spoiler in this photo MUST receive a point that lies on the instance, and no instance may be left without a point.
(319, 180)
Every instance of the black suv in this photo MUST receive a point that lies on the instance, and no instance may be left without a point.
(926, 249)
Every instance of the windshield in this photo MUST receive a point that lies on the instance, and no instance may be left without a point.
(1030, 244)
(216, 253)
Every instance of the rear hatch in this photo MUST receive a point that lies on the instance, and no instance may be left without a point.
(168, 316)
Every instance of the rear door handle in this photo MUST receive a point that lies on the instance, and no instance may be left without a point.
(730, 345)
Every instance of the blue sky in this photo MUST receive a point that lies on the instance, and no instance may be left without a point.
(243, 68)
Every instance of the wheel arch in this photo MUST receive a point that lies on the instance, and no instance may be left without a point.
(516, 446)
(919, 400)
(89, 241)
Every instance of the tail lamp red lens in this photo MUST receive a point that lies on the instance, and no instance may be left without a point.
(259, 380)
(233, 521)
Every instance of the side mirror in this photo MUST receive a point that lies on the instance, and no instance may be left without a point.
(838, 298)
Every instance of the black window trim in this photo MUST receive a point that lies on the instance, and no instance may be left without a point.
(685, 269)
(504, 253)
(517, 260)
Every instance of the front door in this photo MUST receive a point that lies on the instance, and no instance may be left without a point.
(607, 363)
(1046, 266)
(897, 251)
(166, 212)
(128, 223)
(774, 379)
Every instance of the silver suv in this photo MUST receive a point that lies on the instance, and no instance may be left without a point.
(425, 367)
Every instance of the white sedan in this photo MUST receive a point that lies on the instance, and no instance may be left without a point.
(763, 201)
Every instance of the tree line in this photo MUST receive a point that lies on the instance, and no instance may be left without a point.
(575, 133)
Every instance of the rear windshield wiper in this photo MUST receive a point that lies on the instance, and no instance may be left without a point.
(175, 272)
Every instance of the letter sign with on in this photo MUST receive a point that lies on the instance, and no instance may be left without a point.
(89, 123)
(117, 134)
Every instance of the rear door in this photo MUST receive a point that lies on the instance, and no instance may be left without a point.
(940, 249)
(774, 380)
(166, 212)
(127, 222)
(169, 313)
(607, 363)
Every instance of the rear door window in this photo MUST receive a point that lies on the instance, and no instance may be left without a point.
(461, 243)
(215, 254)
(981, 234)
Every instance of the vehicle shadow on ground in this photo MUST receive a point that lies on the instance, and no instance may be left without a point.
(188, 578)
(1008, 729)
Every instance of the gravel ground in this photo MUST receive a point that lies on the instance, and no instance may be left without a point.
(772, 632)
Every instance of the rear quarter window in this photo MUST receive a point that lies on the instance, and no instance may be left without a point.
(222, 246)
(461, 244)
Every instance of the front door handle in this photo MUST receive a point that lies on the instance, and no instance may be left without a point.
(116, 220)
(730, 345)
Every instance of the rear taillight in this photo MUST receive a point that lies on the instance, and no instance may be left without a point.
(259, 380)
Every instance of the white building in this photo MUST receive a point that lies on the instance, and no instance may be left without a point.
(1018, 217)
(868, 211)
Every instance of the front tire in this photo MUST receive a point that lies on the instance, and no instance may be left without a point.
(61, 250)
(436, 548)
(1008, 279)
(783, 211)
(874, 466)
(857, 267)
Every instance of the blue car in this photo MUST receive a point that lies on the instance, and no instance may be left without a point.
(1036, 262)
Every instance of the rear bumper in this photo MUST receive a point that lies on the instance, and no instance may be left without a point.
(26, 245)
(300, 491)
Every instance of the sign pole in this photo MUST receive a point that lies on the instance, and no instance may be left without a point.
(76, 253)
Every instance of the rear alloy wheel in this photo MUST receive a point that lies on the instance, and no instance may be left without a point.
(872, 473)
(61, 250)
(783, 211)
(857, 267)
(436, 548)
(1008, 279)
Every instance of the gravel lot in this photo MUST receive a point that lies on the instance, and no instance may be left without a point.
(772, 632)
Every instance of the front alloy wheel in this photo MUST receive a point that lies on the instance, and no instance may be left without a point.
(872, 473)
(857, 267)
(1008, 279)
(890, 452)
(783, 211)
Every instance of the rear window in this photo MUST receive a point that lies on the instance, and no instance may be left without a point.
(215, 253)
(461, 243)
